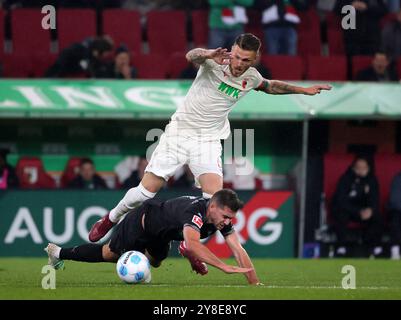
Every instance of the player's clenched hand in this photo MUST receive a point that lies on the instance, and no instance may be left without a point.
(311, 91)
(220, 55)
(235, 269)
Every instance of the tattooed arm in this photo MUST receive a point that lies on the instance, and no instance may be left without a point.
(199, 55)
(280, 87)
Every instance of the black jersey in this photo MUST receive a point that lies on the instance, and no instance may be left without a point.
(167, 219)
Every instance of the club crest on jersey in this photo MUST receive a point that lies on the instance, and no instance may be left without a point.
(198, 221)
(244, 83)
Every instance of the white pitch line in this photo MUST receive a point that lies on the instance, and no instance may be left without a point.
(271, 287)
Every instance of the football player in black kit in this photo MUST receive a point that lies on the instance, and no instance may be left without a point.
(151, 227)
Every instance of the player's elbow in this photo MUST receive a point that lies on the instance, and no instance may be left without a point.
(187, 56)
(192, 247)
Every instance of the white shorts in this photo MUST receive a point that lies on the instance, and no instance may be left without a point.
(172, 152)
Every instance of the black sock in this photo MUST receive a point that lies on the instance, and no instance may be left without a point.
(87, 252)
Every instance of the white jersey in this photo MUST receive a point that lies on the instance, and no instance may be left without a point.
(204, 112)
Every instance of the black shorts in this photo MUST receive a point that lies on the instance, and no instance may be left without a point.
(129, 235)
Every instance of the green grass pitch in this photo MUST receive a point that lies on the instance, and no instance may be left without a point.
(20, 278)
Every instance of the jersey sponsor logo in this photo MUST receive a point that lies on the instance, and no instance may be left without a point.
(228, 90)
(198, 221)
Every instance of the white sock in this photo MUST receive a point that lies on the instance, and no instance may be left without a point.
(341, 250)
(395, 252)
(132, 199)
(206, 195)
(377, 250)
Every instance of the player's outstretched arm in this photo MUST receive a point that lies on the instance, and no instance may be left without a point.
(201, 252)
(281, 87)
(199, 55)
(242, 257)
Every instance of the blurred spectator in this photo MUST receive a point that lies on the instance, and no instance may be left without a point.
(393, 5)
(183, 178)
(226, 21)
(13, 4)
(365, 38)
(144, 6)
(76, 3)
(325, 5)
(395, 216)
(8, 177)
(122, 65)
(92, 57)
(280, 20)
(356, 199)
(380, 71)
(391, 38)
(241, 174)
(89, 3)
(136, 176)
(87, 177)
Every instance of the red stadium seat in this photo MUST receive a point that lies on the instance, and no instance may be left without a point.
(150, 66)
(386, 167)
(309, 43)
(310, 21)
(1, 32)
(284, 67)
(75, 25)
(124, 27)
(332, 68)
(359, 63)
(32, 175)
(333, 21)
(70, 171)
(16, 66)
(336, 42)
(27, 33)
(200, 27)
(254, 25)
(334, 166)
(177, 64)
(309, 40)
(166, 31)
(399, 67)
(41, 63)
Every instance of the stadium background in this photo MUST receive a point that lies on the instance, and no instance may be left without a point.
(325, 130)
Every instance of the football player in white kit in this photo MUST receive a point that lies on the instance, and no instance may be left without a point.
(193, 135)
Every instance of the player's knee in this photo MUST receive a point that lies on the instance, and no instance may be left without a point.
(152, 183)
(109, 255)
(210, 183)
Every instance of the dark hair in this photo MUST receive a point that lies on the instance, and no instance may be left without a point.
(383, 53)
(85, 161)
(122, 48)
(227, 197)
(248, 41)
(101, 45)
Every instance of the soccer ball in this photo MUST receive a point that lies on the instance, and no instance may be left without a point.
(133, 267)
